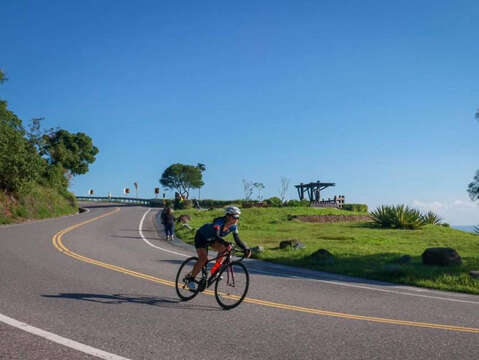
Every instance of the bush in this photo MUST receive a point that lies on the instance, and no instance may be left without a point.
(274, 201)
(209, 203)
(185, 204)
(297, 203)
(431, 218)
(397, 217)
(356, 207)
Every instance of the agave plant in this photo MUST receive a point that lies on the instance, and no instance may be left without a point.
(431, 218)
(476, 229)
(399, 217)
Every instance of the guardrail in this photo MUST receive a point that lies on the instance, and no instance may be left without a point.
(126, 200)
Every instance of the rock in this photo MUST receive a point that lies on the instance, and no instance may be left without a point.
(184, 219)
(441, 257)
(295, 244)
(474, 274)
(255, 250)
(406, 259)
(323, 257)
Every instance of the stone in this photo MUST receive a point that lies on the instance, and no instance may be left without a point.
(323, 256)
(441, 257)
(474, 274)
(290, 244)
(255, 250)
(184, 219)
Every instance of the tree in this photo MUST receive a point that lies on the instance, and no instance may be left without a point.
(202, 168)
(182, 178)
(248, 189)
(473, 188)
(284, 189)
(74, 152)
(259, 187)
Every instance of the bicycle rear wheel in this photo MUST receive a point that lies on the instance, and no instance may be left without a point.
(181, 282)
(232, 285)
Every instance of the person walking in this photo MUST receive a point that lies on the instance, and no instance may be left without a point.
(168, 221)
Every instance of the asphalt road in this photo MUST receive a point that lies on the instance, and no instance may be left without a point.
(106, 284)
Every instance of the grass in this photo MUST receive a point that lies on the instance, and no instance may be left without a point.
(39, 203)
(359, 248)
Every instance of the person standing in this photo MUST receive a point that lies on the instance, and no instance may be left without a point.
(168, 221)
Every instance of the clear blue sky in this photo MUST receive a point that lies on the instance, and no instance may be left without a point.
(376, 96)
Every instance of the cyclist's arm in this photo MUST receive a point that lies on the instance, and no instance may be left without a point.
(239, 242)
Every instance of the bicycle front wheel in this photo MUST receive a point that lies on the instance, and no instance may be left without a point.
(232, 285)
(181, 283)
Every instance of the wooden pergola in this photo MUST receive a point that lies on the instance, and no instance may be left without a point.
(313, 190)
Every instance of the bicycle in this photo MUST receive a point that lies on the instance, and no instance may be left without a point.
(231, 280)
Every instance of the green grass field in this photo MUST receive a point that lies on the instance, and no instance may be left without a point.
(359, 249)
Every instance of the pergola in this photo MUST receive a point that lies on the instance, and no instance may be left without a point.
(313, 190)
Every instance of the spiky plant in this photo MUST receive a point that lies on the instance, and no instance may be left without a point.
(431, 218)
(398, 217)
(476, 229)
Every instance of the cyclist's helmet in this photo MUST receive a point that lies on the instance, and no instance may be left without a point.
(234, 211)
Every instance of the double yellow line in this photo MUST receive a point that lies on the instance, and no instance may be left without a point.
(57, 242)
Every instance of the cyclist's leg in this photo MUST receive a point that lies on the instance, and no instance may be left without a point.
(220, 248)
(201, 246)
(202, 259)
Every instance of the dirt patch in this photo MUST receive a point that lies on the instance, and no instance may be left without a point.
(333, 218)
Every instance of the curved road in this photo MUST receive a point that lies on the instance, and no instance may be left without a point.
(99, 285)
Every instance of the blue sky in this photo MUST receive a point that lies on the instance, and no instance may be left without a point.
(376, 96)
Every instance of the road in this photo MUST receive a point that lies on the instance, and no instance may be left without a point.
(99, 285)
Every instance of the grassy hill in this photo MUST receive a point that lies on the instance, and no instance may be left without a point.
(39, 203)
(359, 248)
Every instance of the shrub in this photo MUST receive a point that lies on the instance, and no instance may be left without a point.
(274, 201)
(185, 204)
(297, 203)
(399, 217)
(431, 218)
(356, 207)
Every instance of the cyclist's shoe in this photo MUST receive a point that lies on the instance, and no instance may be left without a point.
(191, 285)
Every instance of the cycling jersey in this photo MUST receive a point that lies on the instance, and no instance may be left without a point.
(215, 231)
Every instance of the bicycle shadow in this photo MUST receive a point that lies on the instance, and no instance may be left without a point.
(117, 299)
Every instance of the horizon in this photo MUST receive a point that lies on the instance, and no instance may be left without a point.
(376, 97)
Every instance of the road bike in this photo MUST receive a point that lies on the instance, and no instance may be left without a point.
(231, 279)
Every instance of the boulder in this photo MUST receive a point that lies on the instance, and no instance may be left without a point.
(441, 256)
(323, 256)
(294, 244)
(184, 219)
(474, 274)
(255, 250)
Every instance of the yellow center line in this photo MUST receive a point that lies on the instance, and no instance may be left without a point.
(57, 242)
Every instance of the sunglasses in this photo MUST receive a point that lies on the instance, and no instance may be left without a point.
(235, 216)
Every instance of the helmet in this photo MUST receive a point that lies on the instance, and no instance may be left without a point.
(233, 210)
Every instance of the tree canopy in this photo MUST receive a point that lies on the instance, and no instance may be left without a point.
(182, 178)
(473, 188)
(74, 152)
(28, 157)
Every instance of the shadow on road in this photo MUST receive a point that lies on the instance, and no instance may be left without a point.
(115, 299)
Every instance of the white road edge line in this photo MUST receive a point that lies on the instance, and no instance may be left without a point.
(149, 243)
(60, 339)
(318, 280)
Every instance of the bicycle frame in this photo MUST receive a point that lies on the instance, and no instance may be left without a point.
(207, 282)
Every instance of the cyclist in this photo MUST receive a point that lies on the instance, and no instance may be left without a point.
(212, 234)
